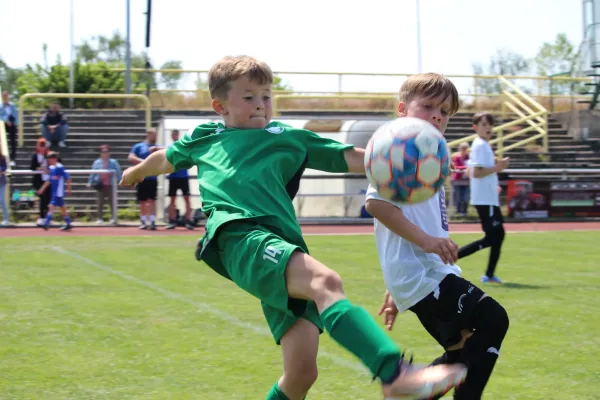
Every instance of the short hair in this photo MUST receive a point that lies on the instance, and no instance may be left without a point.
(429, 85)
(52, 154)
(230, 68)
(151, 130)
(463, 145)
(481, 115)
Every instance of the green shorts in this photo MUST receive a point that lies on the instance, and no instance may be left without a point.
(255, 259)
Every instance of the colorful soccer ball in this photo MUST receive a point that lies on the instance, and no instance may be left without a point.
(407, 160)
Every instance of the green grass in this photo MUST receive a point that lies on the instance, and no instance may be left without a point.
(139, 318)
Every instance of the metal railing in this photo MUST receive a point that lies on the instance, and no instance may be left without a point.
(141, 97)
(528, 110)
(113, 177)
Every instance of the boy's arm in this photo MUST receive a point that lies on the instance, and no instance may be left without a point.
(477, 160)
(43, 188)
(355, 158)
(156, 164)
(68, 186)
(393, 218)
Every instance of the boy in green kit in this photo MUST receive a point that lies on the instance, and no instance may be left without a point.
(249, 170)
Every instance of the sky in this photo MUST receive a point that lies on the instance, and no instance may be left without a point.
(377, 36)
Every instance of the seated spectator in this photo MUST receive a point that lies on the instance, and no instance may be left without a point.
(54, 126)
(10, 116)
(103, 182)
(460, 179)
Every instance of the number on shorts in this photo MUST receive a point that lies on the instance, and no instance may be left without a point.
(271, 253)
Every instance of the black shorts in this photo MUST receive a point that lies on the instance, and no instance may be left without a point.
(490, 217)
(447, 310)
(146, 190)
(176, 184)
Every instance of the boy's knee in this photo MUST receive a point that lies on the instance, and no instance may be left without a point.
(301, 377)
(491, 316)
(328, 281)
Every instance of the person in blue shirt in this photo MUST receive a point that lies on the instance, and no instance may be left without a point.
(146, 190)
(10, 116)
(179, 180)
(59, 184)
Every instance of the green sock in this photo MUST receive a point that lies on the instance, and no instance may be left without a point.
(276, 394)
(355, 330)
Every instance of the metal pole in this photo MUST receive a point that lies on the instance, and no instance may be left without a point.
(72, 67)
(115, 186)
(128, 50)
(419, 56)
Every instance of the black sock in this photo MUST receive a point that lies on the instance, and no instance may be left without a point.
(482, 349)
(496, 241)
(471, 248)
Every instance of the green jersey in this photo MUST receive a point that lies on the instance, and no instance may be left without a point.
(254, 173)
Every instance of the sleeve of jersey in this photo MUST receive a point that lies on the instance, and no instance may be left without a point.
(476, 157)
(179, 153)
(373, 194)
(325, 154)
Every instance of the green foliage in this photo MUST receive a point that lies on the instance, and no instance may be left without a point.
(504, 62)
(95, 59)
(560, 57)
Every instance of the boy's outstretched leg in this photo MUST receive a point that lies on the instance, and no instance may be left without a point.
(482, 349)
(299, 346)
(355, 330)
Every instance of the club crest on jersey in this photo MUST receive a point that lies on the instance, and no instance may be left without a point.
(275, 130)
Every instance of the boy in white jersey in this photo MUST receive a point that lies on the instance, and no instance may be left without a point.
(483, 178)
(418, 259)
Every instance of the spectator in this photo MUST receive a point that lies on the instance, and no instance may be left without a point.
(460, 179)
(146, 190)
(55, 126)
(103, 182)
(3, 168)
(179, 180)
(10, 116)
(39, 162)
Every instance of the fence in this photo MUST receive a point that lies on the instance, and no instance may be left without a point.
(113, 177)
(526, 194)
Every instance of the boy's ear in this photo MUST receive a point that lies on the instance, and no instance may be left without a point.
(218, 106)
(475, 127)
(401, 109)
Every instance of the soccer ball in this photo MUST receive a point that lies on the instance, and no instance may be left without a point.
(407, 161)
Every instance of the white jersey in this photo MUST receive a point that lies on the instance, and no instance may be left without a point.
(484, 191)
(409, 273)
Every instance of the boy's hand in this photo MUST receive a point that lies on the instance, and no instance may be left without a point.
(389, 309)
(501, 165)
(130, 178)
(445, 248)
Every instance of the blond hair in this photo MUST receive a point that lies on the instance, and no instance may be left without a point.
(429, 85)
(230, 68)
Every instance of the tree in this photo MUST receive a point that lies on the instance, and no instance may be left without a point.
(560, 57)
(171, 79)
(8, 79)
(504, 62)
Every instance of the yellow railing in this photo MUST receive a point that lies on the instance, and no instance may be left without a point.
(141, 97)
(471, 87)
(528, 110)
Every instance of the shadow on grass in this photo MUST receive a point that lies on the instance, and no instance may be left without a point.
(514, 285)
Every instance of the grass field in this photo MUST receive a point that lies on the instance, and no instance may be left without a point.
(139, 318)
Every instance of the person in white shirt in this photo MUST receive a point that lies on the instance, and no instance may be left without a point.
(418, 258)
(483, 177)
